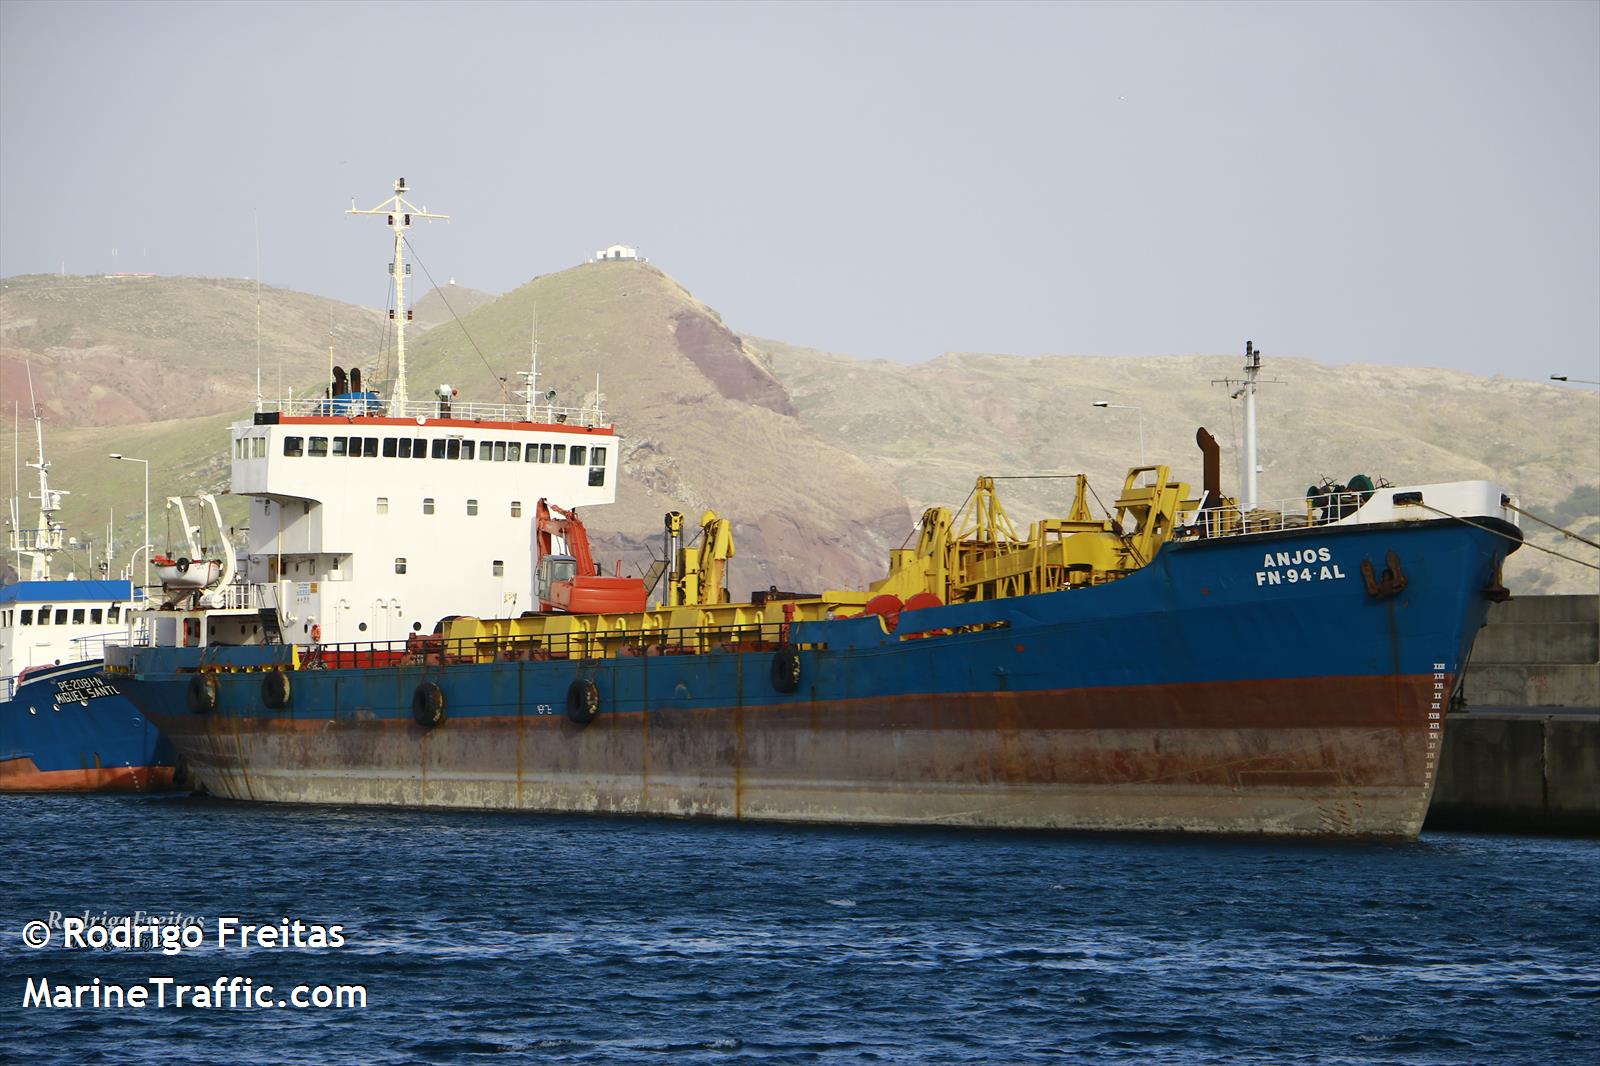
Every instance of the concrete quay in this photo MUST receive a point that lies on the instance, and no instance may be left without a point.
(1523, 754)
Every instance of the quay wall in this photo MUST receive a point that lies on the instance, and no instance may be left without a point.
(1523, 753)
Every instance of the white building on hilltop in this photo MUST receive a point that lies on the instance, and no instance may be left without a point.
(617, 251)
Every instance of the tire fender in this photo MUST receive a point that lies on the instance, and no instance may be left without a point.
(201, 695)
(786, 670)
(427, 705)
(276, 690)
(583, 701)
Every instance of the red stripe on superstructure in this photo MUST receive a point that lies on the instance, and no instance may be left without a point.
(24, 775)
(452, 423)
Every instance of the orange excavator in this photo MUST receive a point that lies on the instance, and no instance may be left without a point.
(571, 581)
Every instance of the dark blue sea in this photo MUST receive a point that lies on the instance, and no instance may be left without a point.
(509, 938)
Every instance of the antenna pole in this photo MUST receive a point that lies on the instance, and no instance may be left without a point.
(530, 376)
(45, 539)
(400, 213)
(1252, 370)
(256, 216)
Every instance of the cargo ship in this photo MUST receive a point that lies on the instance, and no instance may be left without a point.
(1189, 661)
(63, 726)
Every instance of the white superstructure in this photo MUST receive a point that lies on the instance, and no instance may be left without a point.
(372, 518)
(371, 527)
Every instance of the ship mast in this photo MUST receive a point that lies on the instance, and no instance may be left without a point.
(530, 376)
(1248, 461)
(39, 544)
(1252, 371)
(400, 212)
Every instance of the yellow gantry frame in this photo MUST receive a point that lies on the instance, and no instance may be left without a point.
(977, 555)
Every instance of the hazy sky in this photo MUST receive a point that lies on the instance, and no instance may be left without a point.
(1403, 183)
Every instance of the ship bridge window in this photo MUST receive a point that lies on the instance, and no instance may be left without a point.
(294, 445)
(400, 565)
(420, 448)
(97, 615)
(516, 508)
(427, 505)
(259, 447)
(597, 457)
(452, 448)
(559, 455)
(499, 451)
(532, 454)
(597, 476)
(437, 448)
(61, 616)
(466, 449)
(318, 446)
(339, 444)
(390, 447)
(27, 617)
(44, 616)
(115, 614)
(472, 506)
(485, 450)
(383, 505)
(579, 455)
(405, 447)
(238, 448)
(499, 568)
(77, 616)
(514, 452)
(369, 448)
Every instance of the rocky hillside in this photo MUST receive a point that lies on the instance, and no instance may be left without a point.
(705, 423)
(109, 351)
(440, 305)
(933, 427)
(821, 460)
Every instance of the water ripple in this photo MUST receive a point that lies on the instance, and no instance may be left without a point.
(493, 938)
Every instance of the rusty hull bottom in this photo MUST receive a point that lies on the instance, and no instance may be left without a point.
(23, 775)
(1346, 756)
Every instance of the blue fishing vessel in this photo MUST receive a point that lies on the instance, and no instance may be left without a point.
(64, 727)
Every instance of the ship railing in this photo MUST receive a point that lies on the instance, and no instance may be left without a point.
(53, 539)
(369, 406)
(94, 646)
(437, 650)
(1270, 515)
(243, 596)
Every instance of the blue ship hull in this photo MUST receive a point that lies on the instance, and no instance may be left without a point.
(1251, 684)
(68, 729)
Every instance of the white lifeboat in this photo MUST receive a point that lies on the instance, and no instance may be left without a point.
(184, 574)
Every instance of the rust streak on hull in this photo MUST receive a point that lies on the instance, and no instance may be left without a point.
(1346, 756)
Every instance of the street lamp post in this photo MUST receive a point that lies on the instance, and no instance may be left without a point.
(1124, 407)
(146, 545)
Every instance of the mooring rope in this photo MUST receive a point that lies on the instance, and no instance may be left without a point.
(1507, 536)
(1552, 525)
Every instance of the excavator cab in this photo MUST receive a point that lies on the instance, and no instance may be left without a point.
(572, 581)
(554, 568)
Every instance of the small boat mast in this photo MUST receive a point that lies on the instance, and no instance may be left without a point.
(38, 545)
(400, 212)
